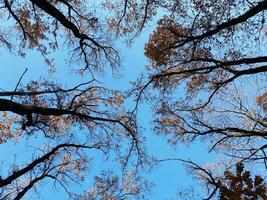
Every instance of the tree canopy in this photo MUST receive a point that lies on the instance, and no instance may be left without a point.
(206, 82)
(209, 65)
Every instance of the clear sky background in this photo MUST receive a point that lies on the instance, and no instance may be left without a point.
(167, 177)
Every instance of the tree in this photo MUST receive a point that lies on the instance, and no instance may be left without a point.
(117, 188)
(68, 122)
(242, 186)
(200, 52)
(208, 73)
(238, 185)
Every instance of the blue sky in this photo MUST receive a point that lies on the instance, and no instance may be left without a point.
(167, 177)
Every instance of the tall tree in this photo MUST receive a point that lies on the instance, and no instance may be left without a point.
(201, 54)
(68, 122)
(208, 71)
(237, 185)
